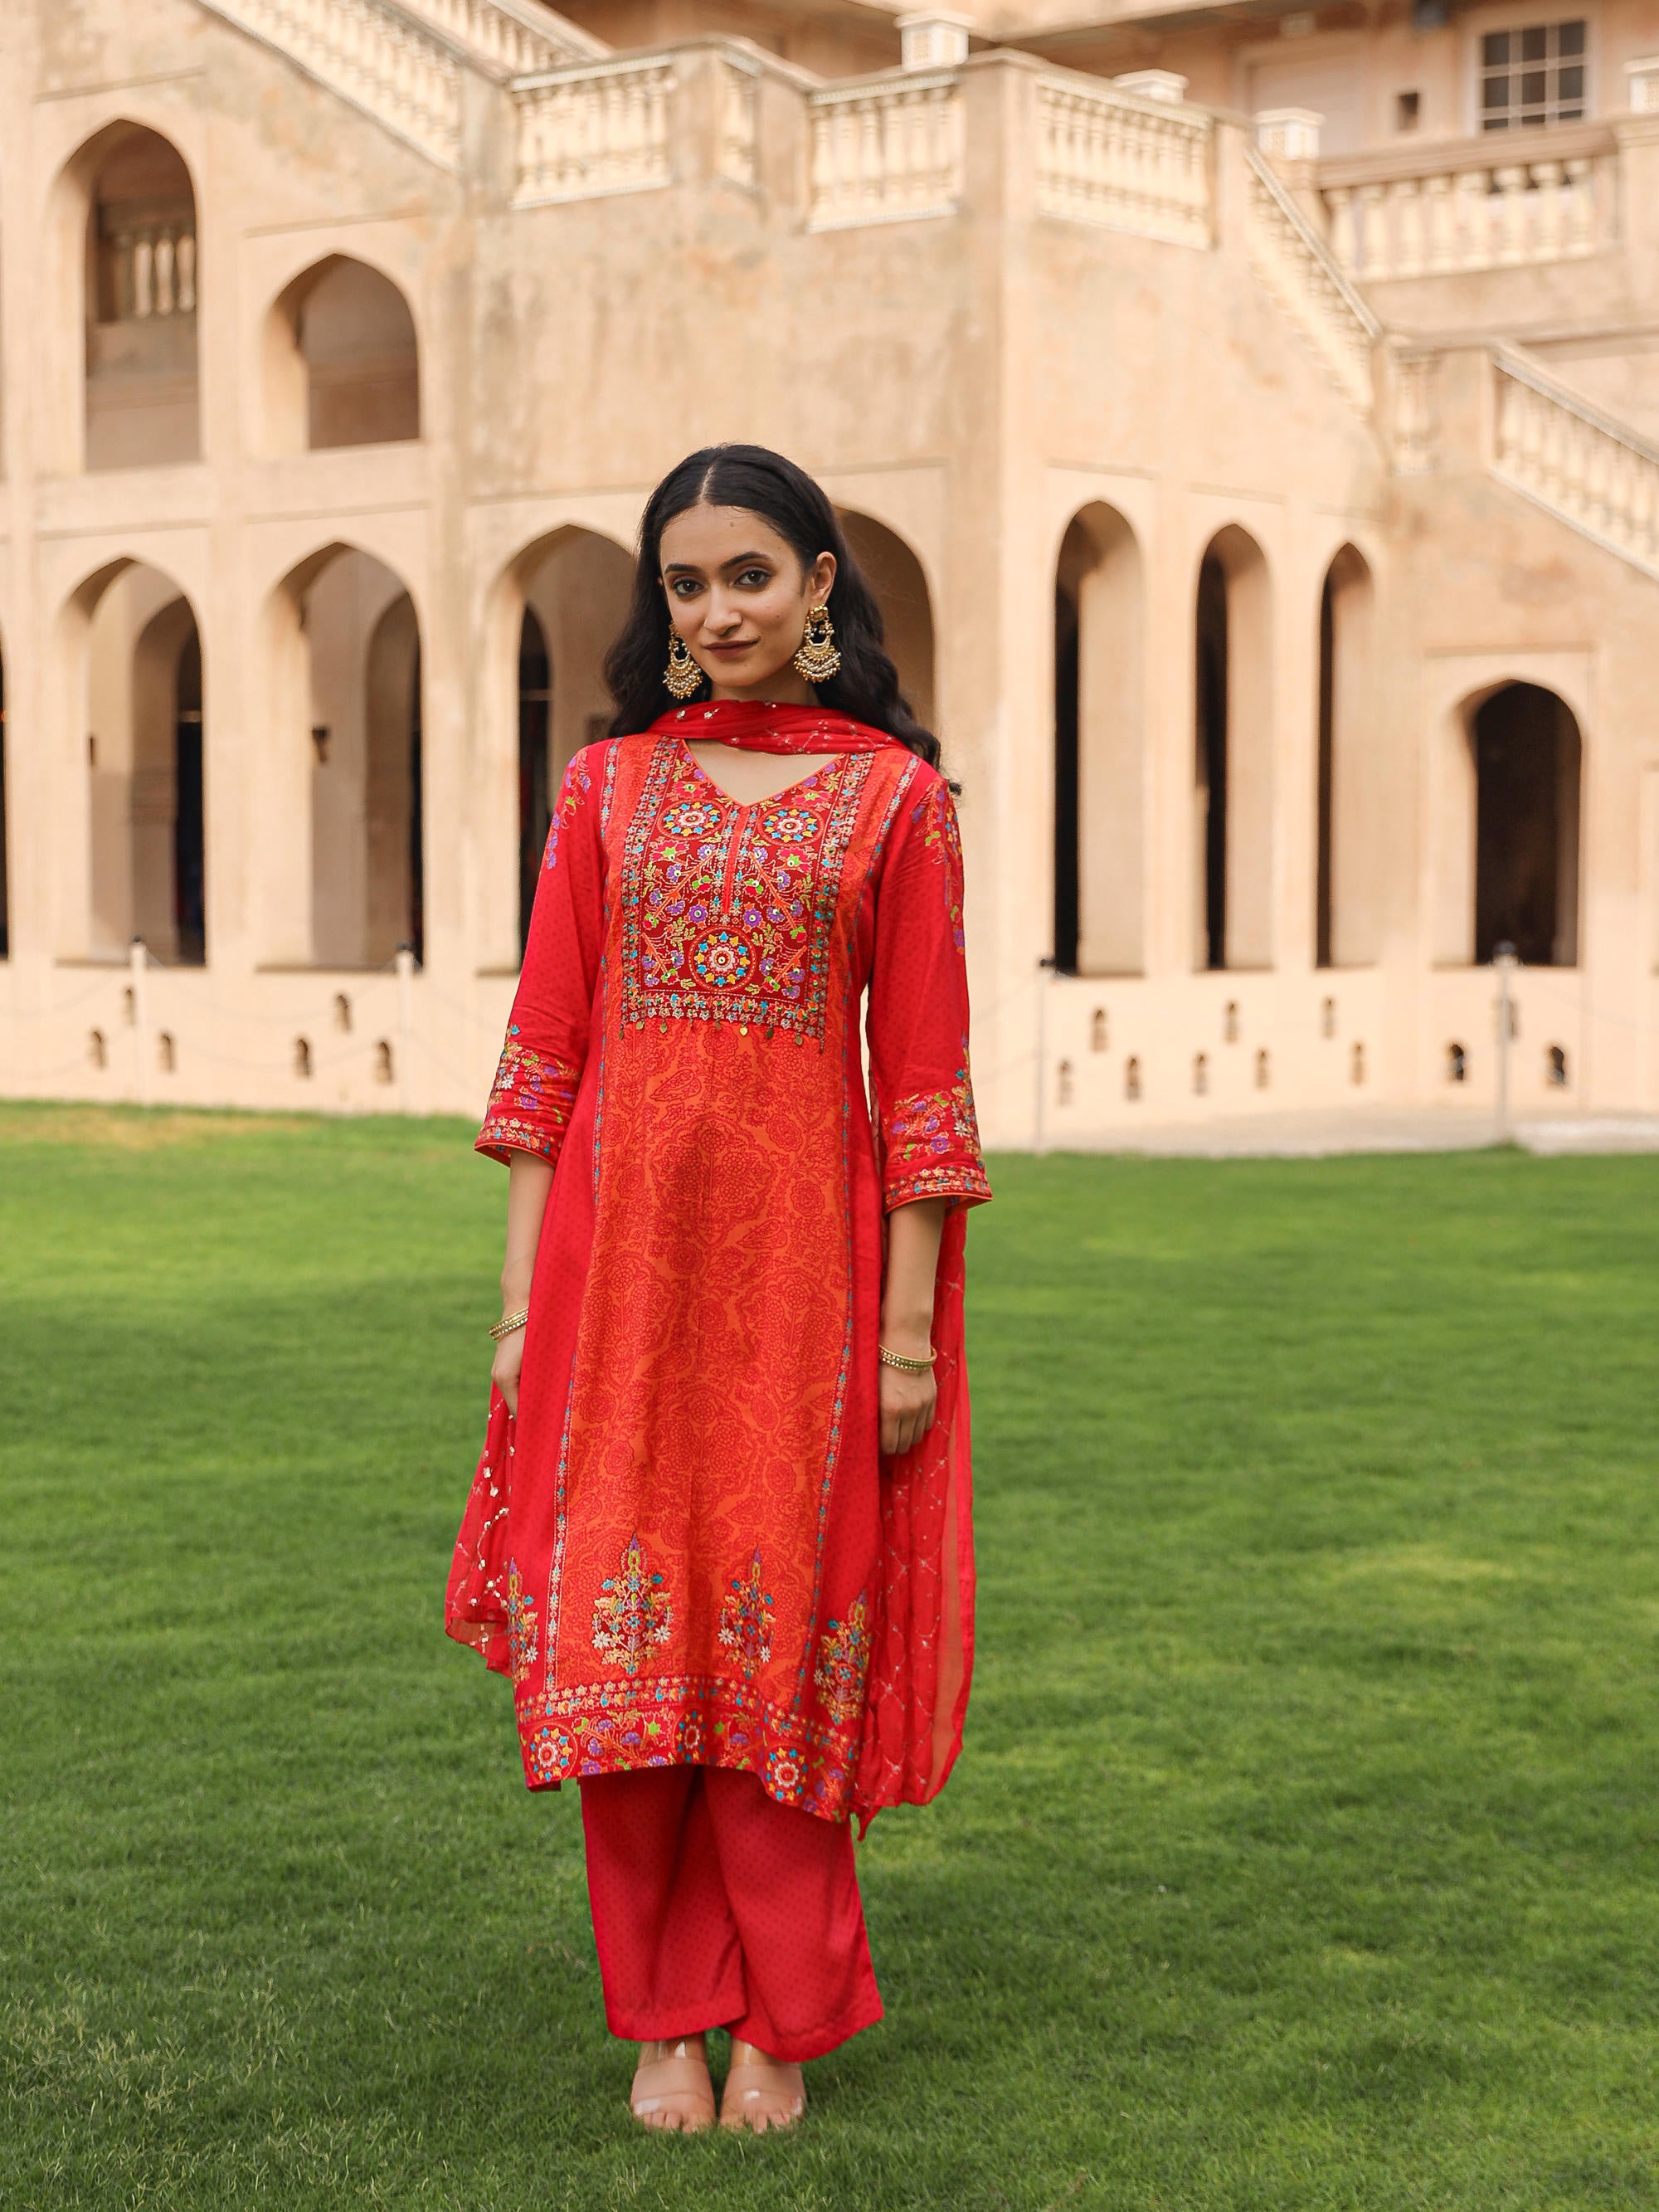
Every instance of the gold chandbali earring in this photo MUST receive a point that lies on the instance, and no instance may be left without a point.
(683, 676)
(818, 656)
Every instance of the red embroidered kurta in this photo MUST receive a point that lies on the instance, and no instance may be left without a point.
(685, 1548)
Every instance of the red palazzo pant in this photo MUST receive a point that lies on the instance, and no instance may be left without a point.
(714, 1906)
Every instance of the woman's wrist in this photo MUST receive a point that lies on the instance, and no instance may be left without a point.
(911, 1333)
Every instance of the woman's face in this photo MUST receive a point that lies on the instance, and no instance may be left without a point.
(740, 598)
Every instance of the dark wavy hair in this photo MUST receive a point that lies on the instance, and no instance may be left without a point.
(866, 686)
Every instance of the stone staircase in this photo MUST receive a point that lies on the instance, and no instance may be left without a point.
(403, 62)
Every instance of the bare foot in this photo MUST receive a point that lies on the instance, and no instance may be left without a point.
(672, 2088)
(760, 2092)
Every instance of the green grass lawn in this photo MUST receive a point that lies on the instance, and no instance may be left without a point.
(1303, 1854)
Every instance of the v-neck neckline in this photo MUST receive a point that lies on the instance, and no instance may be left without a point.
(748, 805)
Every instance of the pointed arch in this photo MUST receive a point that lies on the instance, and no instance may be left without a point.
(894, 574)
(127, 279)
(342, 360)
(1099, 746)
(1233, 781)
(1347, 915)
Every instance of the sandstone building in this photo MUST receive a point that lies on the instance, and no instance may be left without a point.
(1249, 416)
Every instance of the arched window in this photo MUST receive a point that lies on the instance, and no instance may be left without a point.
(302, 1058)
(1527, 757)
(1099, 747)
(1233, 755)
(140, 661)
(1063, 1082)
(1201, 1075)
(342, 360)
(1356, 1063)
(1099, 1036)
(383, 1070)
(535, 791)
(141, 285)
(1347, 922)
(1132, 1079)
(347, 765)
(1556, 1066)
(1263, 1071)
(895, 575)
(561, 603)
(1457, 1064)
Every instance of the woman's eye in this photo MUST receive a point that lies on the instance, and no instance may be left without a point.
(682, 586)
(756, 579)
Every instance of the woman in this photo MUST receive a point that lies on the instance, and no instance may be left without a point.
(720, 1535)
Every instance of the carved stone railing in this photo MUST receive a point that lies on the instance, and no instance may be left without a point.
(602, 129)
(1590, 469)
(509, 38)
(372, 53)
(740, 95)
(1486, 204)
(153, 258)
(1124, 161)
(885, 150)
(1296, 266)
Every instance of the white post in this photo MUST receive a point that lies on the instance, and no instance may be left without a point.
(406, 1028)
(137, 961)
(1503, 960)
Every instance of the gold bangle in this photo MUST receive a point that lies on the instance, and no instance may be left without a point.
(505, 1326)
(905, 1366)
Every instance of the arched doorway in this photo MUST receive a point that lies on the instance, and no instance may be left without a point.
(895, 575)
(1232, 853)
(342, 361)
(1099, 747)
(140, 300)
(347, 760)
(1347, 924)
(1528, 760)
(535, 793)
(145, 765)
(565, 600)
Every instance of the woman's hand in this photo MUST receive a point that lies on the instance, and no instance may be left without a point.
(504, 1368)
(908, 1400)
(907, 1403)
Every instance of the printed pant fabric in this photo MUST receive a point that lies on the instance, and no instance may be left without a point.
(714, 1906)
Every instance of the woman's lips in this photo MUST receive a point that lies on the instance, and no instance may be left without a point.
(747, 644)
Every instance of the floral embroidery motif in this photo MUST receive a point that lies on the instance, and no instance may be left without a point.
(933, 1144)
(845, 1657)
(577, 783)
(531, 1101)
(728, 910)
(521, 1622)
(746, 1620)
(941, 838)
(632, 1612)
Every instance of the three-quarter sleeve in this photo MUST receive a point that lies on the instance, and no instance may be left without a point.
(922, 1095)
(534, 1093)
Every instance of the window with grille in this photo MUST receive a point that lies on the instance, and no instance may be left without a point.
(1531, 76)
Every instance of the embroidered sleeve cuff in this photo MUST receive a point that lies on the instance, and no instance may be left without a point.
(932, 1147)
(963, 1181)
(531, 1102)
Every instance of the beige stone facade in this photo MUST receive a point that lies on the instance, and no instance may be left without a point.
(1248, 417)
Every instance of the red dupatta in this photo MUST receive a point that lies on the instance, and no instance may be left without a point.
(753, 726)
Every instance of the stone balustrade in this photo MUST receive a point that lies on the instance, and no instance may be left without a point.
(602, 129)
(1296, 264)
(1484, 204)
(1585, 468)
(155, 268)
(885, 151)
(372, 54)
(1125, 160)
(508, 38)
